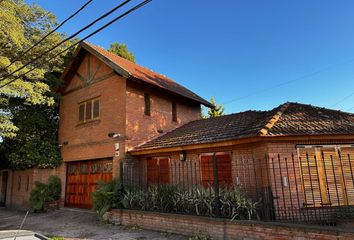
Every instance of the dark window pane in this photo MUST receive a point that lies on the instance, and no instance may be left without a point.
(83, 168)
(96, 108)
(147, 109)
(88, 111)
(174, 112)
(81, 112)
(73, 170)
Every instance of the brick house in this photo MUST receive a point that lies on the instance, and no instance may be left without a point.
(108, 106)
(297, 158)
(120, 119)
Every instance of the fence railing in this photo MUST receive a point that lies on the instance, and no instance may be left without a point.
(310, 185)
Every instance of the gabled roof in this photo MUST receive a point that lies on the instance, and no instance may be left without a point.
(289, 119)
(134, 71)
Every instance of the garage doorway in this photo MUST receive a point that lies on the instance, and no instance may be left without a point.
(82, 180)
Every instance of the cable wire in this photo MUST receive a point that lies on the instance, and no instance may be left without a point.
(47, 35)
(290, 81)
(88, 36)
(68, 38)
(343, 99)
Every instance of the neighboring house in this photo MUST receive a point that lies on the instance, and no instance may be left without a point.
(297, 156)
(120, 119)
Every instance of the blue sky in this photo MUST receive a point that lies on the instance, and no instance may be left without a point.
(250, 54)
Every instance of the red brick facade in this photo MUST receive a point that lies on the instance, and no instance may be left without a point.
(268, 161)
(21, 183)
(121, 111)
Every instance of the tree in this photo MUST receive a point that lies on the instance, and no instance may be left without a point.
(21, 26)
(36, 141)
(122, 51)
(29, 106)
(217, 111)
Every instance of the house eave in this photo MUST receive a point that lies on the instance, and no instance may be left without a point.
(228, 143)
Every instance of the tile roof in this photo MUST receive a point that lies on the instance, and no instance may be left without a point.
(146, 75)
(288, 119)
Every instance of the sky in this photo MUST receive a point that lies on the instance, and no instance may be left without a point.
(248, 54)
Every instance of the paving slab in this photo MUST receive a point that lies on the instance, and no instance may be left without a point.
(75, 224)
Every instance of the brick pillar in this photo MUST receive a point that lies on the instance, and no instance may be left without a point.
(118, 160)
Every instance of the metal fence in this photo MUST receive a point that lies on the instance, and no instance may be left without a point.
(310, 185)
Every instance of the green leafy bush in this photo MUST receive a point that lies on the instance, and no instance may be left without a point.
(198, 201)
(38, 196)
(45, 193)
(107, 196)
(54, 188)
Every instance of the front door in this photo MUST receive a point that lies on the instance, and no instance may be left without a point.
(82, 180)
(4, 178)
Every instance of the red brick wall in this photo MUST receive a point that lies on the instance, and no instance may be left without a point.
(21, 183)
(256, 169)
(90, 140)
(122, 111)
(187, 172)
(140, 128)
(223, 229)
(289, 200)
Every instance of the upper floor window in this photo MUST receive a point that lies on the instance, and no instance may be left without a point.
(89, 110)
(174, 112)
(147, 108)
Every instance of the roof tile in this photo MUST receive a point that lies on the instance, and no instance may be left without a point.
(288, 119)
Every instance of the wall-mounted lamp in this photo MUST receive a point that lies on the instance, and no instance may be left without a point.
(113, 135)
(183, 156)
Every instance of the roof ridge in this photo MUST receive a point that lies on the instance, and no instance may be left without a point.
(129, 69)
(281, 109)
(130, 62)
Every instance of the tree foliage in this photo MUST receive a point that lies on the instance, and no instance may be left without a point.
(29, 106)
(21, 26)
(35, 144)
(122, 51)
(217, 111)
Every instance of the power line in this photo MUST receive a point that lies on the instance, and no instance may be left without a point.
(342, 100)
(47, 35)
(88, 36)
(349, 109)
(68, 38)
(290, 81)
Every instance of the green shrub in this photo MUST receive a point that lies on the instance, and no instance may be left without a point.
(45, 193)
(38, 196)
(198, 201)
(54, 188)
(107, 196)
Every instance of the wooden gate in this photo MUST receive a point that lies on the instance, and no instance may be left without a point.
(82, 180)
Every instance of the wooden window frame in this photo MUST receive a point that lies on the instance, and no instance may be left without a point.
(147, 104)
(157, 159)
(323, 169)
(92, 102)
(174, 112)
(210, 154)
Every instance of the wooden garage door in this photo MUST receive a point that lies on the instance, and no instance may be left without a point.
(82, 180)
